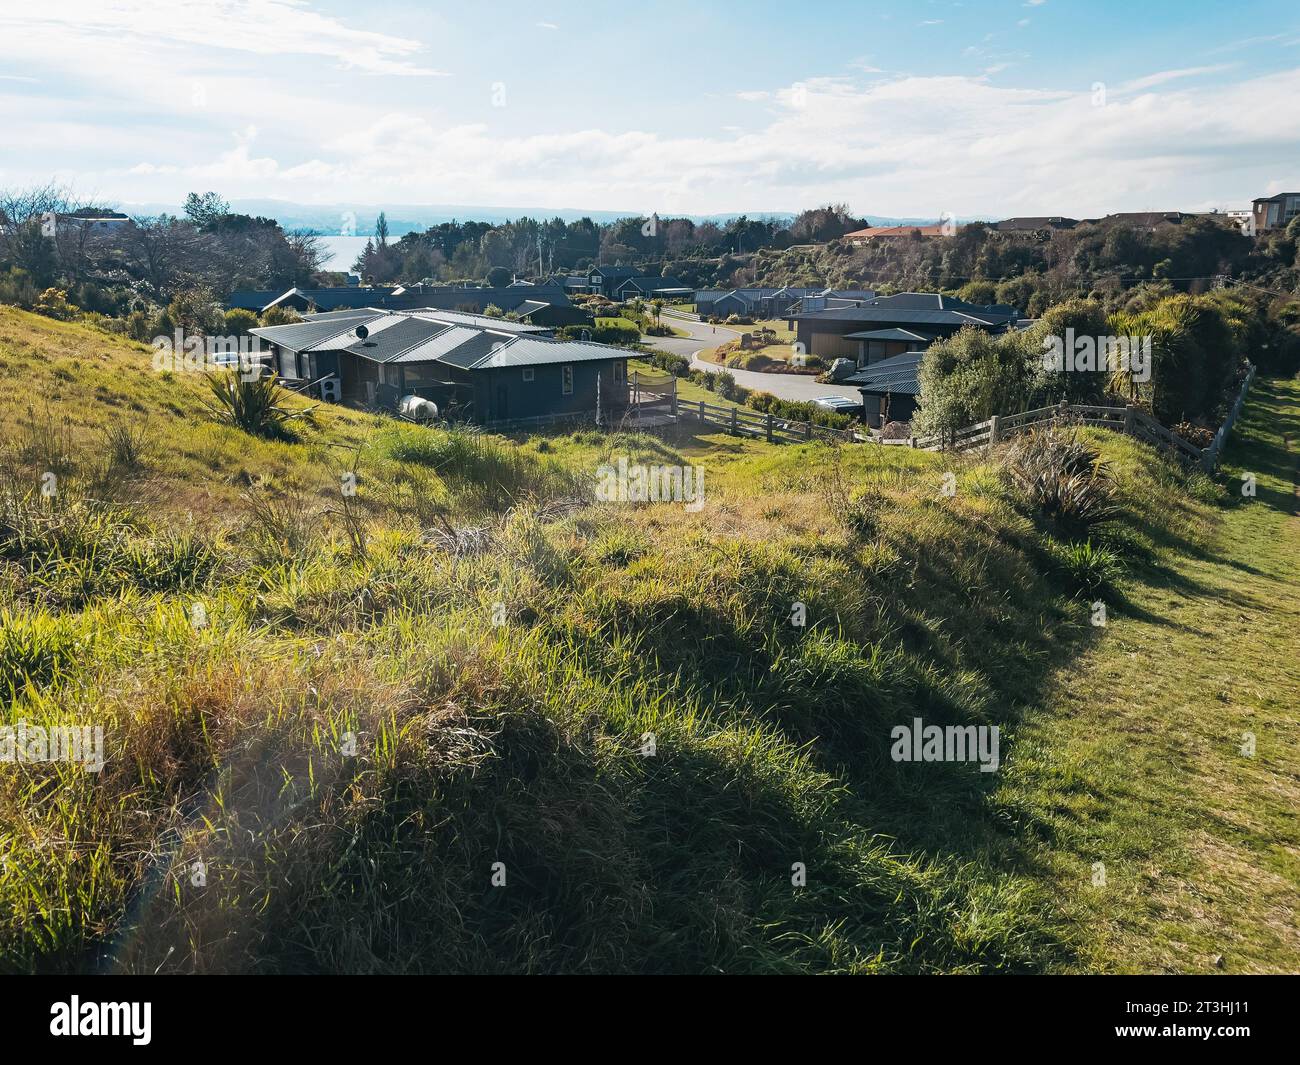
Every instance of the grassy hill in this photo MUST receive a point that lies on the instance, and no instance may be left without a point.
(335, 724)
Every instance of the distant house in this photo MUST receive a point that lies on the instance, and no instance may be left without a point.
(89, 218)
(307, 299)
(484, 370)
(606, 280)
(651, 287)
(1275, 212)
(766, 303)
(838, 333)
(889, 389)
(821, 300)
(546, 305)
(1149, 221)
(862, 237)
(876, 345)
(571, 282)
(1035, 225)
(734, 302)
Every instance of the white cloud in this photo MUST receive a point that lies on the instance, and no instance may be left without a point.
(1163, 76)
(135, 129)
(260, 27)
(907, 146)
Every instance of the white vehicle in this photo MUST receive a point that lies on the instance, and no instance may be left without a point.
(839, 404)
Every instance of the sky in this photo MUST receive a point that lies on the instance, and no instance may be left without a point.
(909, 109)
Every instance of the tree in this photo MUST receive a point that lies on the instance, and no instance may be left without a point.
(381, 230)
(969, 377)
(498, 277)
(159, 253)
(205, 210)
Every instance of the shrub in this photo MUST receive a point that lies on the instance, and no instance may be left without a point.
(255, 405)
(725, 385)
(494, 474)
(34, 649)
(53, 303)
(1061, 477)
(797, 410)
(126, 444)
(240, 321)
(677, 365)
(280, 316)
(1196, 435)
(1091, 570)
(17, 288)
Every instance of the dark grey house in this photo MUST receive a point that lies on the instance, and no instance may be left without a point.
(484, 370)
(889, 389)
(650, 287)
(765, 303)
(547, 305)
(876, 345)
(837, 333)
(606, 280)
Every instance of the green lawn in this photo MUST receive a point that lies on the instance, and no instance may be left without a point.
(1137, 762)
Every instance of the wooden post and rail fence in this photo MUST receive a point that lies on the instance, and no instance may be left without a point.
(1129, 419)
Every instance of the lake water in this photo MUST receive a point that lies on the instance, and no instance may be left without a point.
(342, 251)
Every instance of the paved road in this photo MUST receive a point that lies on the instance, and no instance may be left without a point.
(783, 385)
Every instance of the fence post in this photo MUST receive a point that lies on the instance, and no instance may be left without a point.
(993, 430)
(701, 410)
(911, 441)
(807, 430)
(735, 422)
(1129, 418)
(769, 428)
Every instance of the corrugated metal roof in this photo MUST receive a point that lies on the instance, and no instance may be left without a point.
(869, 313)
(534, 351)
(302, 336)
(479, 321)
(324, 316)
(897, 374)
(890, 334)
(469, 341)
(451, 344)
(397, 339)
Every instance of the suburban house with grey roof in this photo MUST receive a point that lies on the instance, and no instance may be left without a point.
(1035, 225)
(766, 303)
(650, 287)
(485, 370)
(606, 280)
(920, 318)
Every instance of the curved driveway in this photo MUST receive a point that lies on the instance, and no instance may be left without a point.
(783, 385)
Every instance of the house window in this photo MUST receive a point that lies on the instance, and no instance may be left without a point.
(529, 373)
(566, 380)
(618, 371)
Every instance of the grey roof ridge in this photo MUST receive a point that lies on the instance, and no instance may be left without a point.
(322, 340)
(491, 352)
(418, 343)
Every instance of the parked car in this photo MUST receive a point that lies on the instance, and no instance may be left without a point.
(839, 404)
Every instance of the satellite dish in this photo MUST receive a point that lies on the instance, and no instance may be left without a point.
(362, 332)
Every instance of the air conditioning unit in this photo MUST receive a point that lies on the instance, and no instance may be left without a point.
(331, 390)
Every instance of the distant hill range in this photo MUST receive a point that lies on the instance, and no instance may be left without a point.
(331, 219)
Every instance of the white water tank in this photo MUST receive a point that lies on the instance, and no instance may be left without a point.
(418, 408)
